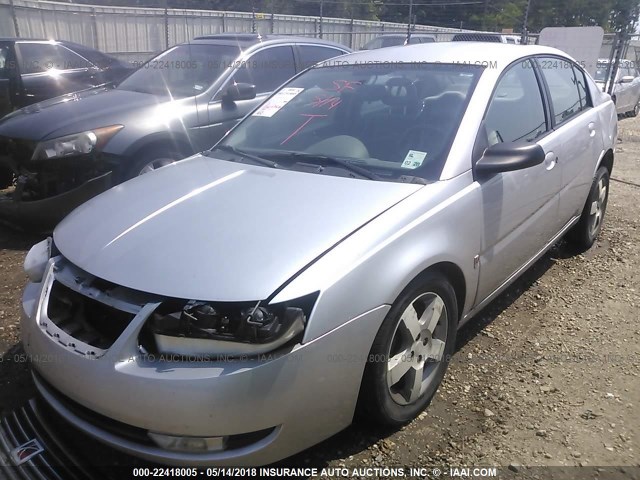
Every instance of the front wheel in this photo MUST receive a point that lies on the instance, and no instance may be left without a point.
(152, 160)
(584, 233)
(411, 352)
(635, 111)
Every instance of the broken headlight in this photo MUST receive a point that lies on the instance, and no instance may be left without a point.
(208, 330)
(76, 144)
(35, 263)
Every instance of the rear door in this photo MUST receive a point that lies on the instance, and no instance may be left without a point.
(519, 208)
(635, 89)
(579, 128)
(624, 89)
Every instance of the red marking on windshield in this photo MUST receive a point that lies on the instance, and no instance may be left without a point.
(328, 101)
(332, 102)
(342, 85)
(304, 124)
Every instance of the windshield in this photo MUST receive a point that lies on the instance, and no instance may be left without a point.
(182, 71)
(396, 121)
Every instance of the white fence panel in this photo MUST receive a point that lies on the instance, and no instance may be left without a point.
(135, 34)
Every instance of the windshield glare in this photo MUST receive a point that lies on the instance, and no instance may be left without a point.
(182, 71)
(395, 120)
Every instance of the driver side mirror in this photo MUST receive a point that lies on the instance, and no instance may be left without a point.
(238, 91)
(627, 79)
(509, 156)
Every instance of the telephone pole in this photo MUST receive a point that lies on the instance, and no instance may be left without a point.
(409, 24)
(525, 32)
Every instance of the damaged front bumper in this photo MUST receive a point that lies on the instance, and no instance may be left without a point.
(45, 192)
(265, 409)
(43, 215)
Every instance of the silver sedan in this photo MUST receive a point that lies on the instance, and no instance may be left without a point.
(243, 305)
(626, 86)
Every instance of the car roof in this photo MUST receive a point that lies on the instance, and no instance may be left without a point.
(403, 35)
(45, 40)
(22, 39)
(248, 40)
(474, 53)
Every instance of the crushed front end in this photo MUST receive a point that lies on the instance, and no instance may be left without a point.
(37, 192)
(93, 345)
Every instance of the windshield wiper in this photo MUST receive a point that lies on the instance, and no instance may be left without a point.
(323, 160)
(245, 155)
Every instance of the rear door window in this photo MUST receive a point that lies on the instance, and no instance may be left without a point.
(267, 69)
(312, 54)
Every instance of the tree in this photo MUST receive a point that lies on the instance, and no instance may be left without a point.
(612, 15)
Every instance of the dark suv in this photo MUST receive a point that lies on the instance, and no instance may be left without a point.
(67, 149)
(35, 70)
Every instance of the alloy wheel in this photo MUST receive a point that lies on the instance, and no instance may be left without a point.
(598, 207)
(417, 346)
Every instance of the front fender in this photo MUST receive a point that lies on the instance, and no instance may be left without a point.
(439, 223)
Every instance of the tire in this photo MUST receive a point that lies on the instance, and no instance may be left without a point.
(6, 178)
(584, 233)
(635, 111)
(153, 159)
(388, 396)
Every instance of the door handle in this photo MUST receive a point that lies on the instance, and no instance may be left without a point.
(592, 129)
(550, 160)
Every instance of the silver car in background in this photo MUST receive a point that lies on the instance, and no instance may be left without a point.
(242, 305)
(626, 87)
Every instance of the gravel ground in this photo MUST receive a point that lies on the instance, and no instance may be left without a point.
(547, 375)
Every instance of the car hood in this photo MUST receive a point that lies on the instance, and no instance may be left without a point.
(73, 113)
(211, 229)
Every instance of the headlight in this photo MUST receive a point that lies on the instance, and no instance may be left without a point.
(35, 263)
(204, 330)
(76, 144)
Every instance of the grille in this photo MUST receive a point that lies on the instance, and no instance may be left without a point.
(84, 318)
(56, 462)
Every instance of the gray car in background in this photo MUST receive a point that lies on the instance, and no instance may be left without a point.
(626, 86)
(241, 305)
(65, 150)
(397, 39)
